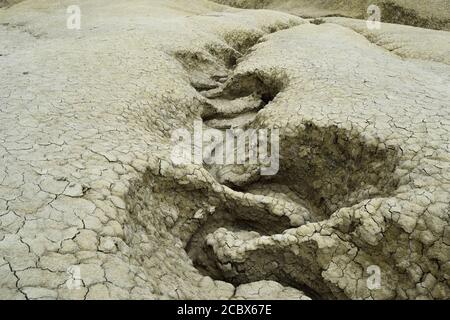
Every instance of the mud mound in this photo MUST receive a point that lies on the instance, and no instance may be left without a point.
(432, 14)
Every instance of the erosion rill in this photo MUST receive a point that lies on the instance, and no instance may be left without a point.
(88, 180)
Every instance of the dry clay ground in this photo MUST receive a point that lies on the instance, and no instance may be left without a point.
(87, 181)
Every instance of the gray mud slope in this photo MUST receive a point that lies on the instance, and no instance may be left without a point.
(87, 180)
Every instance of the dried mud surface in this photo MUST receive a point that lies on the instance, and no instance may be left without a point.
(87, 180)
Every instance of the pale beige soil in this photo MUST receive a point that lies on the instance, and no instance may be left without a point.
(87, 178)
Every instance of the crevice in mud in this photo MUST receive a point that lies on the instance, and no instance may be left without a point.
(323, 169)
(211, 74)
(243, 94)
(333, 168)
(210, 68)
(337, 15)
(222, 222)
(192, 212)
(242, 41)
(317, 21)
(300, 271)
(229, 96)
(238, 274)
(204, 260)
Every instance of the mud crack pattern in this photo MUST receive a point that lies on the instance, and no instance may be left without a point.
(86, 177)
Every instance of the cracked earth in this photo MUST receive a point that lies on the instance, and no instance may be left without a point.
(87, 180)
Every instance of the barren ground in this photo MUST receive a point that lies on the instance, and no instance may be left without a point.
(87, 178)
